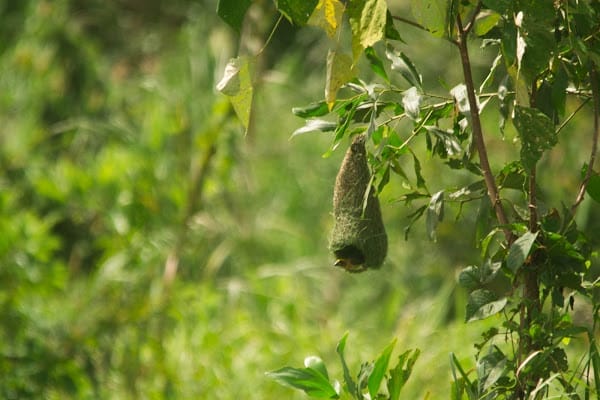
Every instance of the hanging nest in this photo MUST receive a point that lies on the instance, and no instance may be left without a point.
(358, 240)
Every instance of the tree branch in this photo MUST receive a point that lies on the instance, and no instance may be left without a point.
(490, 182)
(471, 23)
(590, 167)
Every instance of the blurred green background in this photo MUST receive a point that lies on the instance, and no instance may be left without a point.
(149, 249)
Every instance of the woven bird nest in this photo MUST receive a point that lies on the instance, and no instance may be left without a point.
(358, 240)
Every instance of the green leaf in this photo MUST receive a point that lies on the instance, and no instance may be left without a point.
(593, 187)
(317, 364)
(537, 134)
(469, 277)
(311, 381)
(401, 372)
(341, 346)
(474, 276)
(509, 44)
(594, 355)
(313, 125)
(449, 141)
(432, 15)
(417, 168)
(367, 22)
(559, 90)
(316, 109)
(486, 20)
(339, 72)
(463, 383)
(412, 219)
(379, 370)
(490, 368)
(483, 303)
(298, 12)
(363, 375)
(376, 63)
(233, 12)
(403, 64)
(501, 6)
(390, 30)
(435, 214)
(519, 250)
(473, 190)
(237, 84)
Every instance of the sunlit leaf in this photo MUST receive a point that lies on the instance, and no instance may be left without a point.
(402, 64)
(431, 14)
(379, 369)
(485, 22)
(435, 214)
(401, 372)
(237, 84)
(349, 382)
(313, 125)
(367, 22)
(317, 364)
(311, 381)
(447, 138)
(460, 95)
(339, 72)
(411, 101)
(327, 16)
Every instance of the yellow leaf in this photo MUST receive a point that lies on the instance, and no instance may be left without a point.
(367, 21)
(339, 72)
(327, 16)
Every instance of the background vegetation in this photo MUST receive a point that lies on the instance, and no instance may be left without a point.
(148, 249)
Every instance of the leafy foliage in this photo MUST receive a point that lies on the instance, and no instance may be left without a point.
(314, 378)
(547, 56)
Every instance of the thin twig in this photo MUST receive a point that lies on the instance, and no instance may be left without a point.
(590, 167)
(533, 215)
(409, 22)
(471, 23)
(490, 181)
(271, 35)
(570, 117)
(419, 26)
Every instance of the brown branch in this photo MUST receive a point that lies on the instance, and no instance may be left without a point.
(490, 181)
(471, 23)
(590, 167)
